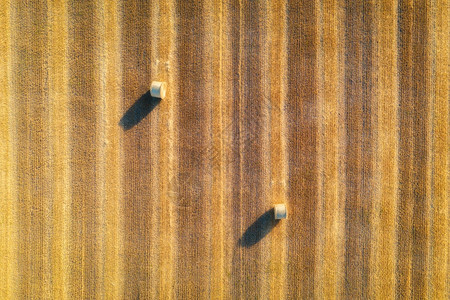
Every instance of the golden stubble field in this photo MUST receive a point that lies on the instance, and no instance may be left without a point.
(340, 109)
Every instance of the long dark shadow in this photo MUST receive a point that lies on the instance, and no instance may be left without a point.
(138, 111)
(259, 229)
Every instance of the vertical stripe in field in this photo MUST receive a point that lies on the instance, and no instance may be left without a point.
(414, 160)
(195, 152)
(253, 144)
(319, 237)
(154, 270)
(139, 113)
(158, 71)
(8, 182)
(369, 189)
(405, 149)
(219, 280)
(166, 67)
(40, 167)
(208, 98)
(30, 96)
(354, 101)
(277, 93)
(384, 216)
(264, 141)
(100, 151)
(232, 14)
(284, 146)
(421, 138)
(59, 138)
(302, 129)
(341, 151)
(84, 91)
(231, 148)
(112, 261)
(331, 45)
(440, 165)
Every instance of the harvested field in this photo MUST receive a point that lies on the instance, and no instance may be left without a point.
(340, 109)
